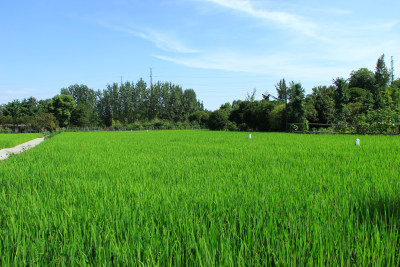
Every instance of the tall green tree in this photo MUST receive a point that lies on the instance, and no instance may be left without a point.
(126, 105)
(283, 95)
(218, 120)
(382, 75)
(29, 107)
(83, 95)
(45, 122)
(80, 116)
(382, 78)
(340, 98)
(282, 90)
(62, 107)
(296, 106)
(13, 109)
(311, 111)
(190, 102)
(175, 102)
(104, 108)
(324, 104)
(142, 97)
(251, 97)
(362, 78)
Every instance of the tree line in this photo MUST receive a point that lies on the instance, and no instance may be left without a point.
(119, 105)
(368, 99)
(366, 102)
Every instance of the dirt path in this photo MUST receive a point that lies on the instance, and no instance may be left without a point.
(6, 152)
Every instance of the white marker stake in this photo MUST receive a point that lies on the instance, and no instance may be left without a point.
(357, 142)
(249, 136)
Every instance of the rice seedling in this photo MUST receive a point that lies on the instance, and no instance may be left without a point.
(202, 198)
(11, 140)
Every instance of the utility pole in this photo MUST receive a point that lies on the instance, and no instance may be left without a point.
(151, 78)
(121, 80)
(392, 70)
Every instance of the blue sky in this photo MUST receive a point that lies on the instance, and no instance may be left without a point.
(220, 48)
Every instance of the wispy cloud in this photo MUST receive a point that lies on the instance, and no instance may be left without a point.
(276, 65)
(164, 41)
(284, 19)
(326, 10)
(336, 11)
(335, 49)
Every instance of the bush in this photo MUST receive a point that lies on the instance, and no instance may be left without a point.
(158, 124)
(45, 121)
(243, 127)
(232, 126)
(195, 125)
(182, 125)
(341, 127)
(134, 126)
(362, 128)
(116, 125)
(218, 120)
(5, 130)
(380, 127)
(147, 125)
(200, 117)
(168, 126)
(277, 118)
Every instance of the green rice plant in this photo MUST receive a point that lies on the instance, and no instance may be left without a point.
(11, 140)
(202, 198)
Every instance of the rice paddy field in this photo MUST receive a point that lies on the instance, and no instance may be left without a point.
(11, 140)
(202, 198)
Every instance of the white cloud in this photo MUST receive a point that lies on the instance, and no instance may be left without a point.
(277, 65)
(326, 9)
(288, 20)
(164, 41)
(337, 11)
(335, 49)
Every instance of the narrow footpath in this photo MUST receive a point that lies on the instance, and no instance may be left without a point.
(6, 152)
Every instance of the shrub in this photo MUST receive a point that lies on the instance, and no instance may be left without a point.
(232, 126)
(218, 120)
(277, 118)
(147, 125)
(116, 125)
(134, 126)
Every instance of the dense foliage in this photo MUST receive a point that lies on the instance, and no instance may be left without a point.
(118, 106)
(368, 100)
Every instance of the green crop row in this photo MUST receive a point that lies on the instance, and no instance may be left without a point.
(202, 198)
(11, 140)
